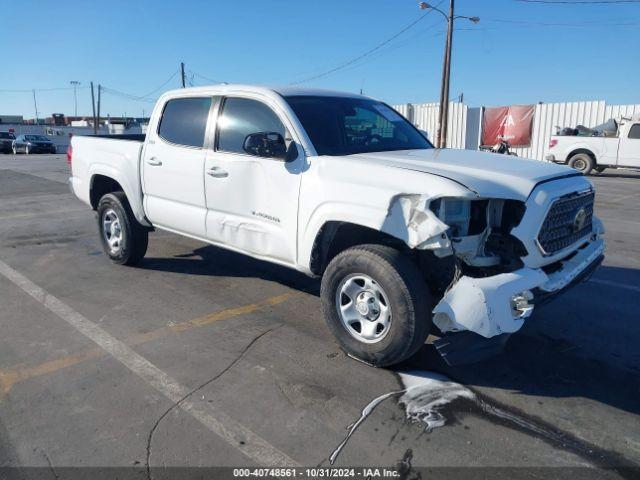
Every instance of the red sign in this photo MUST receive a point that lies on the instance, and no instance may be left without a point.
(512, 124)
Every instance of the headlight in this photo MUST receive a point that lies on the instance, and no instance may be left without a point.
(455, 212)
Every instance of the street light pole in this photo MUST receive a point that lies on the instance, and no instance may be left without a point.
(75, 84)
(446, 77)
(443, 111)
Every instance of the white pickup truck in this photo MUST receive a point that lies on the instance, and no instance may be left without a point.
(405, 236)
(615, 143)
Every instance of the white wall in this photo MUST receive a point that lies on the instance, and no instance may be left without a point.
(464, 126)
(425, 117)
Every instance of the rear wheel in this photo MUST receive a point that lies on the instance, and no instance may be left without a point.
(376, 304)
(124, 240)
(583, 162)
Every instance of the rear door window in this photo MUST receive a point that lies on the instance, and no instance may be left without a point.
(184, 121)
(634, 133)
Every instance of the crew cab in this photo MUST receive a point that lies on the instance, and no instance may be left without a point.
(614, 144)
(406, 237)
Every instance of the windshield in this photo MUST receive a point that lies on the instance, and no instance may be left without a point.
(36, 138)
(7, 135)
(346, 126)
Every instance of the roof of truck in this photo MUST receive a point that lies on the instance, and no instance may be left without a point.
(285, 91)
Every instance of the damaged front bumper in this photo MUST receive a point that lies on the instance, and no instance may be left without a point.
(497, 306)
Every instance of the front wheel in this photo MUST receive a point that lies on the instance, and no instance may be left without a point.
(124, 240)
(376, 304)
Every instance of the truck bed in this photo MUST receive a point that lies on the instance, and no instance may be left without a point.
(134, 137)
(114, 156)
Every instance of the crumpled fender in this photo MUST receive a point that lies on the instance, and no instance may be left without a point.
(410, 219)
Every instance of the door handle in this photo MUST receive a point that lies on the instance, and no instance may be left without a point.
(217, 172)
(153, 161)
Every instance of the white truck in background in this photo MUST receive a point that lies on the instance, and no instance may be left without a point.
(405, 236)
(614, 144)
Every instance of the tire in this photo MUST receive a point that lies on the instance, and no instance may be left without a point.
(118, 225)
(583, 162)
(600, 169)
(394, 280)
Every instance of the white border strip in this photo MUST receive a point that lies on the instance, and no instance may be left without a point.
(253, 446)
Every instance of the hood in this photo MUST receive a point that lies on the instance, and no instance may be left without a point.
(488, 174)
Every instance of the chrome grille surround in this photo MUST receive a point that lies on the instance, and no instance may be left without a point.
(559, 228)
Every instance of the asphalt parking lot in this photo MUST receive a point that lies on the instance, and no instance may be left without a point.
(203, 357)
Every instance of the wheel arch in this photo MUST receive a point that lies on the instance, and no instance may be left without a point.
(100, 185)
(105, 179)
(577, 151)
(335, 236)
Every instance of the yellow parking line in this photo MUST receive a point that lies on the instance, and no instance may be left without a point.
(20, 373)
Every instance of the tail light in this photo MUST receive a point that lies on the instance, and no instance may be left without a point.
(553, 143)
(69, 155)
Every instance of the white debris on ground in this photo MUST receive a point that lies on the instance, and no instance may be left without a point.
(425, 393)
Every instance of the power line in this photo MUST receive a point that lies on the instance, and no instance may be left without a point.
(128, 96)
(29, 90)
(205, 78)
(365, 54)
(161, 86)
(578, 2)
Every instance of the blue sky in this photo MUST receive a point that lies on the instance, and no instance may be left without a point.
(518, 53)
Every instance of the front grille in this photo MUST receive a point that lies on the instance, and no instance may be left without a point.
(569, 219)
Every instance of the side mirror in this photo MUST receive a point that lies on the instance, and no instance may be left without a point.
(424, 133)
(265, 144)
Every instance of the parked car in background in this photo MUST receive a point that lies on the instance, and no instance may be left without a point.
(33, 144)
(615, 143)
(6, 141)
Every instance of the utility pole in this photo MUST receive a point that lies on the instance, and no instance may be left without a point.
(93, 106)
(182, 74)
(446, 77)
(443, 114)
(98, 114)
(35, 105)
(75, 84)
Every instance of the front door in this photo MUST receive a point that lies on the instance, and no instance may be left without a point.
(252, 200)
(173, 167)
(629, 150)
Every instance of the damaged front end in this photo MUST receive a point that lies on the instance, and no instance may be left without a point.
(484, 261)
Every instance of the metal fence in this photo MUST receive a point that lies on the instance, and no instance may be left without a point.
(465, 124)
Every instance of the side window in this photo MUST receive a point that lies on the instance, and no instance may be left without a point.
(184, 121)
(634, 132)
(241, 117)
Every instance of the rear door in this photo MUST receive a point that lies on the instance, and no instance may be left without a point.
(629, 150)
(173, 166)
(252, 201)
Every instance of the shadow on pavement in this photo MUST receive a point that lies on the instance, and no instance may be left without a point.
(533, 362)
